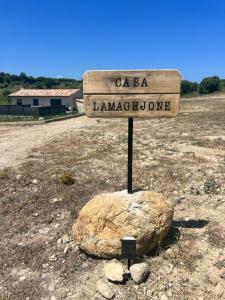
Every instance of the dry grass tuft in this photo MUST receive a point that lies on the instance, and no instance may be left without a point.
(67, 178)
(216, 234)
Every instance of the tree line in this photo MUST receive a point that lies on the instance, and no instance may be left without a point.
(10, 83)
(207, 85)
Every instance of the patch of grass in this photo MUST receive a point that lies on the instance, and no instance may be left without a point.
(5, 173)
(220, 264)
(122, 138)
(67, 178)
(211, 186)
(216, 235)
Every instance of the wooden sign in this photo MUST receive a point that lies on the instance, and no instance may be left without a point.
(147, 93)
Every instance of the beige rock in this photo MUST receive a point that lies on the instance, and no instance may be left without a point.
(164, 297)
(139, 272)
(107, 218)
(60, 241)
(104, 289)
(52, 257)
(66, 249)
(114, 271)
(65, 238)
(35, 181)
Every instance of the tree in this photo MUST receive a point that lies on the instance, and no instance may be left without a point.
(5, 93)
(209, 85)
(222, 85)
(188, 87)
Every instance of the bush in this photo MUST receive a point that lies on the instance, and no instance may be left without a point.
(222, 85)
(209, 85)
(211, 186)
(188, 87)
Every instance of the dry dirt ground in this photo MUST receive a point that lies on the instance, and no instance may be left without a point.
(16, 142)
(183, 158)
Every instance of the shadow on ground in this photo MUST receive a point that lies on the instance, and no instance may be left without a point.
(190, 223)
(174, 234)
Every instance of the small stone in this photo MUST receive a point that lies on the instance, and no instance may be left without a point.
(168, 269)
(22, 278)
(52, 257)
(66, 249)
(114, 270)
(164, 297)
(139, 272)
(18, 176)
(65, 238)
(35, 181)
(55, 200)
(219, 291)
(60, 241)
(104, 289)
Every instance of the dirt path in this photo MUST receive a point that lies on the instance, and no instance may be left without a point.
(17, 142)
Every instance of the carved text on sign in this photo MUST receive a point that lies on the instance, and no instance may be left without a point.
(128, 82)
(131, 106)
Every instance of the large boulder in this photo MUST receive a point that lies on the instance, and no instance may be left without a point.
(107, 218)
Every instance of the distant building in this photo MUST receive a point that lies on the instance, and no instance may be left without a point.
(49, 97)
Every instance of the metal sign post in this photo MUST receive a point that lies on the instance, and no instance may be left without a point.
(131, 94)
(130, 156)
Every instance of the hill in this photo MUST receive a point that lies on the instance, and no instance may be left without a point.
(10, 83)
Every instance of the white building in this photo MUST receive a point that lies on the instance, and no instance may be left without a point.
(49, 97)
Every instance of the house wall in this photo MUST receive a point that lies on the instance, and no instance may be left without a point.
(46, 101)
(79, 105)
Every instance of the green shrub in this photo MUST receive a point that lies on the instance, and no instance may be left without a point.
(188, 87)
(211, 186)
(209, 85)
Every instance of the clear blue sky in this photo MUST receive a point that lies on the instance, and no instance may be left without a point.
(65, 38)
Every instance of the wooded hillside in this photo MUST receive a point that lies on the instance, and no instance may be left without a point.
(10, 83)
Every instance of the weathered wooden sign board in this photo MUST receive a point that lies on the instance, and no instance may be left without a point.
(145, 93)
